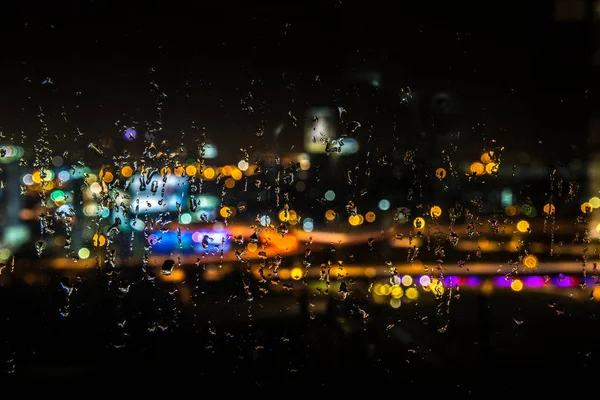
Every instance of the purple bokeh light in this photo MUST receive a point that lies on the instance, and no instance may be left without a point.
(534, 281)
(130, 134)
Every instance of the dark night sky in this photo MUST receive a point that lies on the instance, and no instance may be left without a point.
(498, 60)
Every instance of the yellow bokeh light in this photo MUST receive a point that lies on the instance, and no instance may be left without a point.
(412, 293)
(37, 177)
(595, 202)
(370, 216)
(477, 168)
(330, 215)
(225, 212)
(354, 220)
(208, 173)
(596, 293)
(530, 261)
(48, 185)
(297, 273)
(549, 209)
(396, 292)
(586, 208)
(523, 226)
(227, 170)
(191, 170)
(419, 223)
(126, 171)
(440, 173)
(179, 170)
(108, 177)
(229, 183)
(487, 288)
(252, 247)
(98, 240)
(436, 211)
(386, 289)
(491, 168)
(407, 280)
(236, 174)
(177, 275)
(516, 285)
(165, 171)
(486, 157)
(91, 178)
(511, 211)
(287, 216)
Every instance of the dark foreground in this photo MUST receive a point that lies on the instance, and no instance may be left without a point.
(502, 343)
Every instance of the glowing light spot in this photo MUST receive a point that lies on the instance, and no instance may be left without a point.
(265, 220)
(595, 202)
(549, 209)
(165, 171)
(384, 205)
(185, 218)
(419, 223)
(108, 177)
(179, 170)
(586, 208)
(396, 292)
(491, 168)
(477, 168)
(370, 272)
(229, 183)
(370, 216)
(63, 176)
(386, 289)
(243, 165)
(225, 212)
(412, 293)
(286, 215)
(354, 220)
(596, 293)
(486, 157)
(330, 195)
(395, 303)
(487, 288)
(36, 177)
(252, 247)
(126, 171)
(425, 281)
(440, 173)
(530, 261)
(516, 285)
(226, 170)
(27, 179)
(523, 226)
(511, 211)
(407, 280)
(308, 225)
(436, 211)
(130, 134)
(57, 195)
(297, 273)
(330, 215)
(191, 170)
(304, 165)
(84, 253)
(236, 174)
(208, 173)
(95, 188)
(98, 240)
